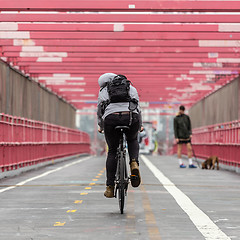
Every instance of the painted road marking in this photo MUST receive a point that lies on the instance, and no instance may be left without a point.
(153, 231)
(131, 218)
(59, 224)
(203, 223)
(83, 193)
(77, 202)
(95, 179)
(44, 174)
(92, 183)
(72, 210)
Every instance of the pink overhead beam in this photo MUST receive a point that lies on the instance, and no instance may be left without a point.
(115, 49)
(127, 35)
(103, 5)
(130, 18)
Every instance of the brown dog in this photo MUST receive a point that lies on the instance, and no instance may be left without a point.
(210, 163)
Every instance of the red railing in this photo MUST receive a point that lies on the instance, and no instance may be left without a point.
(26, 142)
(222, 140)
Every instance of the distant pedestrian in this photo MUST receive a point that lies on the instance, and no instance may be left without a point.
(183, 135)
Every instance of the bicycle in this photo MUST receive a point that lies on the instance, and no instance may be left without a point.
(121, 178)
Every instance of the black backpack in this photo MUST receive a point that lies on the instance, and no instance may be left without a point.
(118, 89)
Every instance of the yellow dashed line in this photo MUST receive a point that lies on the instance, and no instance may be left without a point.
(59, 224)
(83, 193)
(71, 210)
(153, 230)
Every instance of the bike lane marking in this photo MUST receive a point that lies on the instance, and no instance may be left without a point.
(203, 223)
(44, 174)
(61, 224)
(153, 231)
(130, 218)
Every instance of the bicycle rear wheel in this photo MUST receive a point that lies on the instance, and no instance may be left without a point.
(122, 184)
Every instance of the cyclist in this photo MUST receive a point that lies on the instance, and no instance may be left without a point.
(118, 114)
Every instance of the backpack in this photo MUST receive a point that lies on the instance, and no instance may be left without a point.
(118, 89)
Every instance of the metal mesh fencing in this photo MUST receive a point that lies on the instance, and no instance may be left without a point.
(23, 97)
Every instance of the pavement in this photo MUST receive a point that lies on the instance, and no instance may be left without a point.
(65, 201)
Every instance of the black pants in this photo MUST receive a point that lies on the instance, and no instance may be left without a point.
(112, 139)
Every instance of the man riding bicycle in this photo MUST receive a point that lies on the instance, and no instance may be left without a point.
(119, 113)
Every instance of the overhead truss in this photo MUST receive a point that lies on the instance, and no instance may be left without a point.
(173, 51)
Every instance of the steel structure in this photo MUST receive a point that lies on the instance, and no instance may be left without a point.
(173, 51)
(26, 142)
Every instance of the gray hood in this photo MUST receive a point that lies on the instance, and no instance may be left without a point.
(106, 77)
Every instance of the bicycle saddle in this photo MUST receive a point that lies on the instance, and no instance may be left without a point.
(122, 128)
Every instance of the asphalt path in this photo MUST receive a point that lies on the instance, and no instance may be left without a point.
(65, 201)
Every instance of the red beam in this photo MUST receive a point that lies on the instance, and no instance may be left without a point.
(123, 5)
(172, 72)
(146, 18)
(92, 71)
(124, 55)
(117, 60)
(119, 55)
(93, 77)
(127, 36)
(124, 68)
(131, 35)
(114, 49)
(99, 27)
(97, 42)
(110, 64)
(137, 84)
(147, 71)
(135, 35)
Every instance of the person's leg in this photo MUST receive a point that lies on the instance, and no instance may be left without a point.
(189, 153)
(112, 139)
(179, 153)
(133, 150)
(132, 140)
(189, 150)
(179, 150)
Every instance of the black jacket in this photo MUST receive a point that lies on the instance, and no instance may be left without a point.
(182, 126)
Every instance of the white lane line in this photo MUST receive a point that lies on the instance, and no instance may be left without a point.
(203, 223)
(44, 174)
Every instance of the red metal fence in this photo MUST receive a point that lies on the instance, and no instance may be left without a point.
(25, 142)
(222, 140)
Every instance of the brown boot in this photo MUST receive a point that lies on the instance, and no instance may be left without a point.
(135, 174)
(109, 193)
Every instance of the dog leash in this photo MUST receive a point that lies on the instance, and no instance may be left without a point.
(195, 158)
